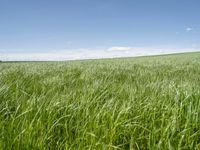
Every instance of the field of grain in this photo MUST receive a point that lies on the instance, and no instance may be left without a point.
(125, 103)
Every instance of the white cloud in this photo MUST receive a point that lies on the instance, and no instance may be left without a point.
(77, 54)
(118, 48)
(188, 29)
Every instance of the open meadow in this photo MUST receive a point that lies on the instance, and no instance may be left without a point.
(123, 103)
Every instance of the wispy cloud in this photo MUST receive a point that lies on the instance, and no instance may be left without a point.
(188, 29)
(77, 54)
(118, 48)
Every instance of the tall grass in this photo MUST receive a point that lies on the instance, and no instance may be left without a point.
(129, 103)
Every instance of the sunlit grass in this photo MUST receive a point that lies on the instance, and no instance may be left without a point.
(127, 103)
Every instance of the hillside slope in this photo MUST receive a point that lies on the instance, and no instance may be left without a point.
(127, 103)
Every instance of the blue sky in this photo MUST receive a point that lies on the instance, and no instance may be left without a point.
(46, 26)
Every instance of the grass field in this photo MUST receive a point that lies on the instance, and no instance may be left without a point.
(125, 103)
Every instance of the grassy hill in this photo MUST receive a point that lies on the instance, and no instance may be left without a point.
(125, 103)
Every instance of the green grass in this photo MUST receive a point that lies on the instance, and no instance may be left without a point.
(126, 103)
